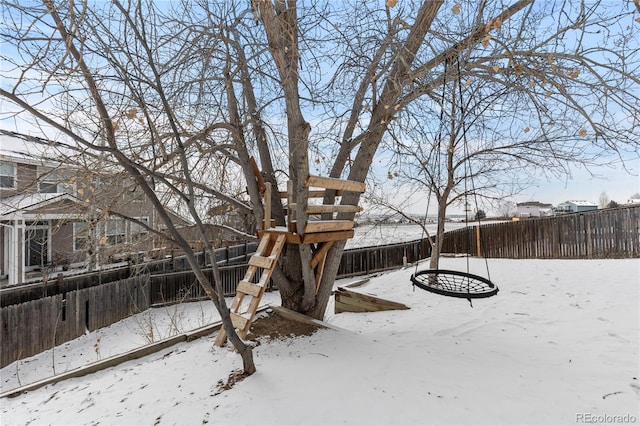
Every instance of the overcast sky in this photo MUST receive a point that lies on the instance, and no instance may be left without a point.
(618, 184)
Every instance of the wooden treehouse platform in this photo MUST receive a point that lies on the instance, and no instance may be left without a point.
(321, 231)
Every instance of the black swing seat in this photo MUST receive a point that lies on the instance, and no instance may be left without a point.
(454, 283)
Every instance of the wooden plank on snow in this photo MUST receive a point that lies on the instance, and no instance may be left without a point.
(351, 301)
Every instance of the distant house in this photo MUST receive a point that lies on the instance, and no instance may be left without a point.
(533, 209)
(54, 214)
(575, 206)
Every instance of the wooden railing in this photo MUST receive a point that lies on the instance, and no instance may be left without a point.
(322, 225)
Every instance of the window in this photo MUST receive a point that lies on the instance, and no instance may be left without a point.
(115, 231)
(81, 235)
(54, 181)
(36, 248)
(7, 176)
(139, 232)
(48, 187)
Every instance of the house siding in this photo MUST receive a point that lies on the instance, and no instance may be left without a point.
(27, 176)
(62, 244)
(89, 194)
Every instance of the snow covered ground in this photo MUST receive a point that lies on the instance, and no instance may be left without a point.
(558, 345)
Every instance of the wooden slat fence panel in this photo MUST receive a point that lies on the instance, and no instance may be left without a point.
(362, 261)
(28, 328)
(182, 285)
(597, 234)
(231, 255)
(33, 327)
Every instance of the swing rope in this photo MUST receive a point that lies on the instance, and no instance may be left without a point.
(468, 175)
(438, 163)
(448, 282)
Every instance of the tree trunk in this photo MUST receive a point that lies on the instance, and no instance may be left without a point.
(436, 248)
(281, 27)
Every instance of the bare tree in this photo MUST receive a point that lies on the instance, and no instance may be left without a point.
(98, 78)
(490, 129)
(169, 91)
(603, 200)
(505, 209)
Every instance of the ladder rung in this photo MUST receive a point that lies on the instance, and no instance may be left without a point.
(261, 261)
(238, 321)
(249, 288)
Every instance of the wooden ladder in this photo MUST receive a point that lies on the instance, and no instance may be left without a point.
(265, 258)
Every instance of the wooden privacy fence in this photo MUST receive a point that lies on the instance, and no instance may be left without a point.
(182, 285)
(596, 234)
(366, 260)
(233, 255)
(60, 284)
(32, 327)
(37, 325)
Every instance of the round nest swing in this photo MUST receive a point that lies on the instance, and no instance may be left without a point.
(454, 283)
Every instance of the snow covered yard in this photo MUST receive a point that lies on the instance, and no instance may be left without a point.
(557, 345)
